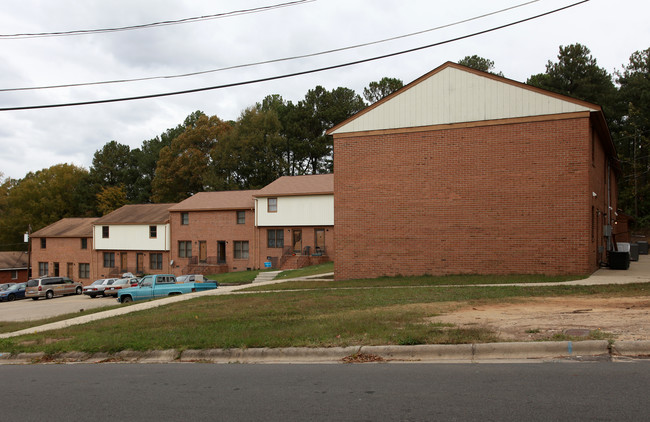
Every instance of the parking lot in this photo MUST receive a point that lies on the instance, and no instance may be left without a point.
(28, 309)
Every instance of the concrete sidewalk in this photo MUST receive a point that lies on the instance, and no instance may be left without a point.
(639, 272)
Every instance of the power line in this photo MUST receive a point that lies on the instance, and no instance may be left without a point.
(153, 24)
(336, 50)
(290, 75)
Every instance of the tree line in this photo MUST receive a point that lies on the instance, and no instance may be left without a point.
(276, 137)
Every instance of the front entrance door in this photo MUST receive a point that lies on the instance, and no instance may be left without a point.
(297, 241)
(221, 252)
(124, 262)
(319, 240)
(203, 251)
(139, 263)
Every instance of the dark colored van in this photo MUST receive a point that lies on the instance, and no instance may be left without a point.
(48, 287)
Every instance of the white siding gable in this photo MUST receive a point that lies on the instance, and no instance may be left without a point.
(132, 237)
(309, 210)
(455, 95)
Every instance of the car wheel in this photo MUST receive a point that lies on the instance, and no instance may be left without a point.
(11, 297)
(49, 294)
(34, 298)
(78, 291)
(92, 296)
(127, 299)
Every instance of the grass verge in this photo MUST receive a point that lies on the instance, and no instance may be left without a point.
(318, 318)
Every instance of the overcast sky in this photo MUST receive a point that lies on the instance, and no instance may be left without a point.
(31, 140)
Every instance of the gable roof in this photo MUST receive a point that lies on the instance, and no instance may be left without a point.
(68, 227)
(313, 184)
(453, 93)
(137, 214)
(214, 201)
(13, 260)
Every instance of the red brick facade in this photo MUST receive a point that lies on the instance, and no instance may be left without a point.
(499, 198)
(221, 233)
(309, 251)
(63, 256)
(135, 262)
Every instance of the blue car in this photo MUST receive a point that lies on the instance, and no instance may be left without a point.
(13, 292)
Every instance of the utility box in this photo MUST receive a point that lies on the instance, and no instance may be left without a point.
(643, 247)
(619, 260)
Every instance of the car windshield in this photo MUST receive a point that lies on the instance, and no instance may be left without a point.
(16, 287)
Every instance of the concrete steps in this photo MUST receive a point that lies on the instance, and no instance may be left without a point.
(266, 276)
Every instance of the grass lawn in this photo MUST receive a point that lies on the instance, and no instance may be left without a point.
(306, 318)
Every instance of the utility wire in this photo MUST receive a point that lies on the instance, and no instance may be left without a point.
(154, 24)
(336, 50)
(290, 75)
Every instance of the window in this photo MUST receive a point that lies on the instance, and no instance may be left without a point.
(84, 270)
(241, 217)
(272, 205)
(84, 243)
(155, 261)
(42, 269)
(43, 243)
(241, 249)
(153, 232)
(275, 238)
(184, 249)
(185, 218)
(109, 259)
(14, 274)
(105, 232)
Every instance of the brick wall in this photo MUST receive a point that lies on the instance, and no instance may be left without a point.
(6, 276)
(67, 252)
(308, 240)
(511, 198)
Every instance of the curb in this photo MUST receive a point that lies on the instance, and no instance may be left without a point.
(434, 353)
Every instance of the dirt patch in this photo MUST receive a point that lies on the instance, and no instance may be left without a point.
(536, 319)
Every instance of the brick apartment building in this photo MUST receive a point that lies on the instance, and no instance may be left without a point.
(64, 248)
(133, 238)
(295, 221)
(463, 171)
(213, 232)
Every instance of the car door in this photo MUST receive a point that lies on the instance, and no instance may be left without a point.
(145, 289)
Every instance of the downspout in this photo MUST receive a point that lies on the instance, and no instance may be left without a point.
(609, 207)
(256, 236)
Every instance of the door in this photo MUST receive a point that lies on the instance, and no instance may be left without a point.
(203, 251)
(124, 262)
(221, 252)
(319, 240)
(297, 241)
(56, 269)
(139, 263)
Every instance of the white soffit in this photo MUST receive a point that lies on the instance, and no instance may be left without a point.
(457, 96)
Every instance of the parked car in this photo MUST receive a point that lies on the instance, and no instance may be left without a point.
(13, 292)
(193, 278)
(48, 287)
(120, 284)
(5, 286)
(98, 286)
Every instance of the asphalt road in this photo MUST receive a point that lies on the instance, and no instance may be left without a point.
(28, 309)
(602, 391)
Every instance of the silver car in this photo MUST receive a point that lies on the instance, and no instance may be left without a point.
(98, 287)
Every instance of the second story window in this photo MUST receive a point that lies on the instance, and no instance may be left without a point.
(185, 218)
(84, 243)
(272, 205)
(153, 232)
(241, 217)
(43, 243)
(105, 232)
